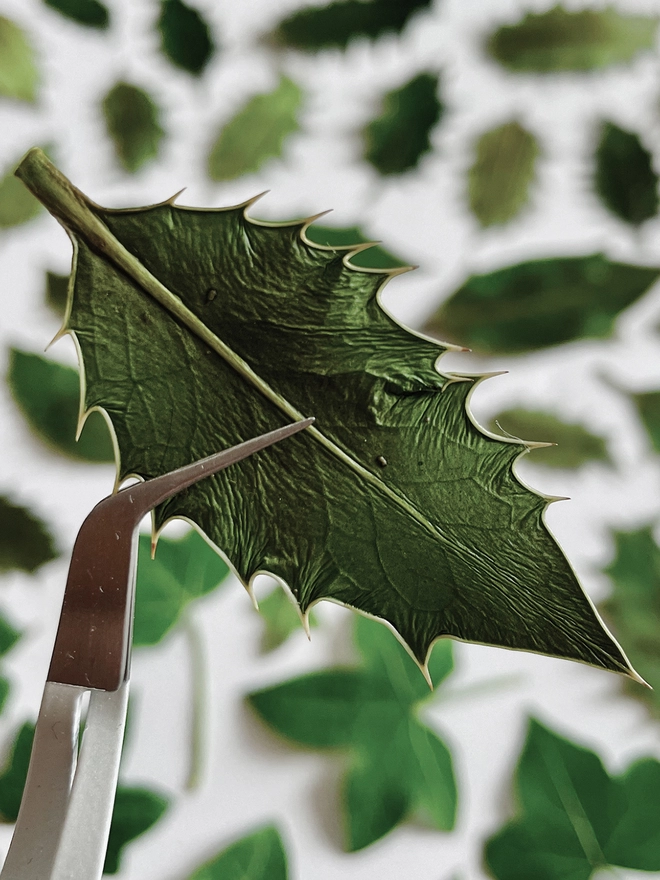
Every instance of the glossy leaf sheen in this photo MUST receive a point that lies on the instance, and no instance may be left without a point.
(376, 257)
(625, 179)
(258, 856)
(133, 122)
(397, 766)
(280, 619)
(25, 542)
(18, 70)
(90, 13)
(136, 810)
(540, 303)
(648, 407)
(185, 37)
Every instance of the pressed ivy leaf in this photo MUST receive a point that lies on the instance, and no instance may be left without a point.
(648, 407)
(397, 766)
(17, 204)
(48, 395)
(393, 502)
(376, 257)
(56, 292)
(25, 542)
(575, 445)
(280, 619)
(185, 37)
(258, 856)
(90, 13)
(399, 137)
(540, 303)
(574, 818)
(625, 179)
(18, 70)
(133, 122)
(182, 570)
(256, 133)
(339, 22)
(557, 40)
(504, 167)
(136, 810)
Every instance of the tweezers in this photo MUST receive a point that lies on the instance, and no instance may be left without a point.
(64, 820)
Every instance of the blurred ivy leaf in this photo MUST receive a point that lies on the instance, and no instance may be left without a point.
(48, 395)
(539, 303)
(57, 287)
(259, 856)
(574, 819)
(133, 122)
(648, 407)
(185, 37)
(25, 542)
(136, 810)
(14, 773)
(17, 204)
(624, 178)
(90, 13)
(376, 257)
(256, 133)
(182, 570)
(18, 70)
(280, 618)
(337, 23)
(399, 137)
(9, 635)
(575, 445)
(558, 40)
(397, 766)
(503, 170)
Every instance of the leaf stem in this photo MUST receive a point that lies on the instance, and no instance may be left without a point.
(199, 702)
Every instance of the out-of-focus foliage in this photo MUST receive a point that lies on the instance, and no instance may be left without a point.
(281, 619)
(19, 76)
(624, 178)
(136, 811)
(57, 287)
(648, 407)
(376, 257)
(133, 122)
(185, 37)
(25, 542)
(14, 772)
(17, 204)
(90, 13)
(258, 856)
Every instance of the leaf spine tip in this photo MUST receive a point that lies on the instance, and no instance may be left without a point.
(61, 333)
(304, 618)
(307, 222)
(427, 675)
(537, 444)
(250, 591)
(176, 195)
(248, 204)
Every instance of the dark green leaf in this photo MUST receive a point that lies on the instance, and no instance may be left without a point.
(57, 288)
(90, 13)
(540, 303)
(25, 542)
(18, 71)
(648, 407)
(499, 180)
(587, 39)
(133, 122)
(280, 619)
(183, 570)
(14, 773)
(625, 179)
(256, 133)
(9, 635)
(397, 767)
(343, 20)
(136, 811)
(374, 258)
(5, 689)
(575, 445)
(399, 137)
(185, 36)
(259, 856)
(17, 204)
(48, 395)
(574, 819)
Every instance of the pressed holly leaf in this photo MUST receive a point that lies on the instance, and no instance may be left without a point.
(17, 204)
(280, 619)
(133, 122)
(625, 179)
(648, 407)
(503, 170)
(18, 70)
(573, 817)
(339, 22)
(558, 40)
(256, 133)
(258, 856)
(136, 810)
(540, 303)
(25, 542)
(344, 238)
(90, 13)
(182, 570)
(185, 37)
(399, 137)
(393, 502)
(48, 395)
(397, 766)
(56, 292)
(575, 445)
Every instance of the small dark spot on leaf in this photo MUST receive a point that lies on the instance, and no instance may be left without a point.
(144, 318)
(211, 294)
(382, 461)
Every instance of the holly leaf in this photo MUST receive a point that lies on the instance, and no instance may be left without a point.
(573, 817)
(396, 141)
(56, 292)
(256, 133)
(89, 13)
(624, 178)
(185, 37)
(280, 619)
(648, 407)
(394, 502)
(557, 40)
(18, 70)
(133, 122)
(25, 542)
(136, 810)
(540, 303)
(397, 767)
(258, 856)
(349, 237)
(503, 170)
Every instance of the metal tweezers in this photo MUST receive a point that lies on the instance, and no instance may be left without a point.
(64, 820)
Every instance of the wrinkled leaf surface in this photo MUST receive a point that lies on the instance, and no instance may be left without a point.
(19, 76)
(25, 542)
(133, 122)
(185, 37)
(258, 856)
(624, 178)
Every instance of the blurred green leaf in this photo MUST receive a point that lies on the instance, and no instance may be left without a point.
(574, 819)
(376, 257)
(504, 168)
(9, 635)
(18, 70)
(540, 303)
(136, 810)
(625, 179)
(90, 13)
(399, 137)
(280, 618)
(256, 133)
(14, 773)
(575, 445)
(48, 395)
(558, 40)
(185, 37)
(397, 766)
(5, 688)
(648, 407)
(25, 542)
(133, 122)
(17, 204)
(57, 287)
(337, 23)
(183, 569)
(259, 856)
